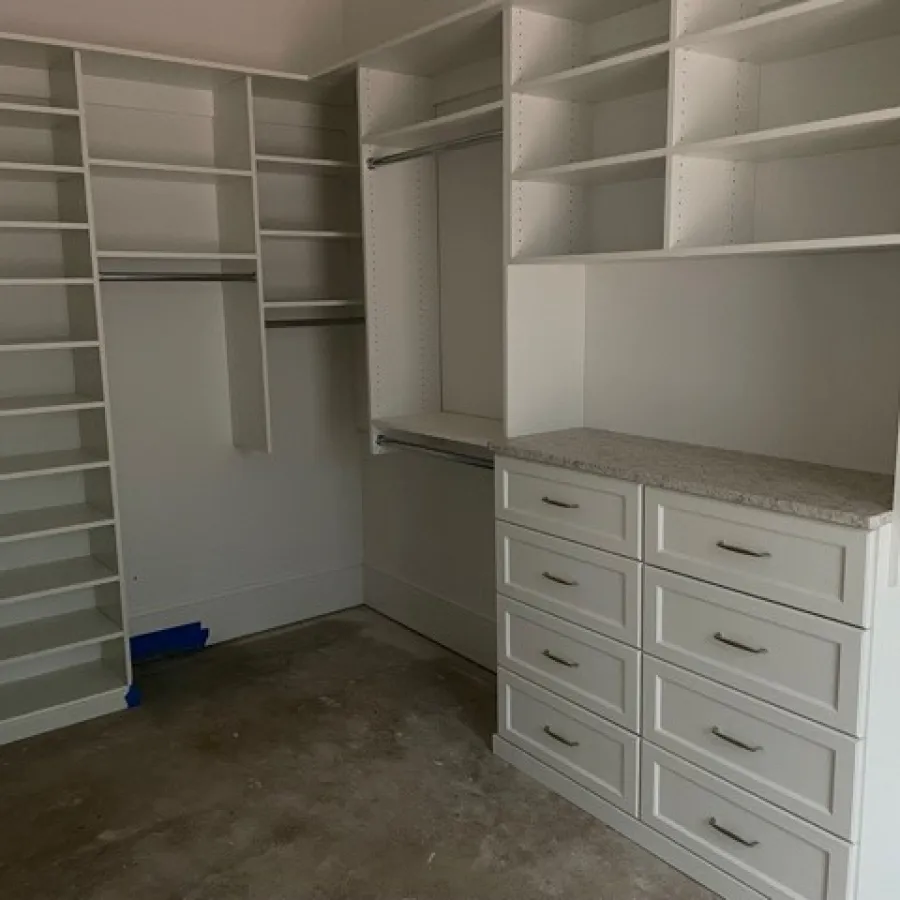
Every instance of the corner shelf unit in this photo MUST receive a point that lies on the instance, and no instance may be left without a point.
(733, 129)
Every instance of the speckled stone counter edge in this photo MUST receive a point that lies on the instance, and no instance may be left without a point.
(773, 503)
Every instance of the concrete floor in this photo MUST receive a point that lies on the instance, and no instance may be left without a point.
(346, 758)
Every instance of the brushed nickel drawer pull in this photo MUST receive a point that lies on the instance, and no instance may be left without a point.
(743, 551)
(559, 503)
(563, 662)
(565, 582)
(558, 737)
(730, 834)
(730, 642)
(750, 748)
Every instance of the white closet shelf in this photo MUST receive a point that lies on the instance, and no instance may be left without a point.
(34, 523)
(41, 404)
(583, 10)
(28, 225)
(308, 234)
(774, 248)
(36, 104)
(166, 171)
(801, 29)
(29, 115)
(49, 281)
(305, 165)
(443, 430)
(176, 255)
(53, 578)
(625, 75)
(608, 170)
(468, 122)
(55, 634)
(855, 132)
(67, 687)
(31, 345)
(17, 171)
(59, 462)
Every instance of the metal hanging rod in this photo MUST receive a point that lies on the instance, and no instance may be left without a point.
(315, 323)
(377, 162)
(178, 276)
(463, 458)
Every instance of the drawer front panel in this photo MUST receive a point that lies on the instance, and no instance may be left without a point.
(797, 765)
(592, 588)
(586, 748)
(588, 669)
(805, 664)
(825, 569)
(766, 848)
(599, 512)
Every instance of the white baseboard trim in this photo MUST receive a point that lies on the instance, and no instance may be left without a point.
(440, 620)
(675, 855)
(261, 608)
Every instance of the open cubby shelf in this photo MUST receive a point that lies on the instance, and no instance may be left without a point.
(166, 171)
(36, 523)
(450, 127)
(37, 465)
(31, 582)
(42, 404)
(305, 165)
(29, 640)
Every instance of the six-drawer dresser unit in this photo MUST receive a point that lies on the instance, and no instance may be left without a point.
(714, 679)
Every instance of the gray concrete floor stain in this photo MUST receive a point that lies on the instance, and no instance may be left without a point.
(345, 759)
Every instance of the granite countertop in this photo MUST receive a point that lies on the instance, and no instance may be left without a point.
(827, 494)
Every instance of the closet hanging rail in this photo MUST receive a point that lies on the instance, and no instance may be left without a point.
(313, 323)
(178, 276)
(466, 460)
(390, 159)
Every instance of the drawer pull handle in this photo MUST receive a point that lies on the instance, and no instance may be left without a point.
(730, 642)
(563, 662)
(743, 551)
(730, 834)
(750, 748)
(558, 737)
(559, 503)
(565, 582)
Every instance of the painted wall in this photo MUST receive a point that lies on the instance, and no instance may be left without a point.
(290, 35)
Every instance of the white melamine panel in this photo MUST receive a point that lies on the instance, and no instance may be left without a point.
(586, 668)
(766, 848)
(470, 190)
(813, 566)
(40, 197)
(591, 751)
(35, 135)
(765, 356)
(600, 591)
(41, 254)
(35, 317)
(599, 512)
(806, 664)
(804, 768)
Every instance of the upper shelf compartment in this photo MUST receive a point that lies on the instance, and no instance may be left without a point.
(37, 77)
(441, 84)
(146, 111)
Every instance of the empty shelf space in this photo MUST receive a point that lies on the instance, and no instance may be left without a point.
(627, 167)
(35, 523)
(175, 255)
(26, 113)
(304, 165)
(53, 578)
(583, 10)
(800, 29)
(313, 304)
(50, 635)
(590, 258)
(33, 465)
(62, 688)
(31, 345)
(467, 123)
(47, 403)
(165, 171)
(303, 234)
(443, 431)
(624, 75)
(26, 225)
(855, 132)
(24, 170)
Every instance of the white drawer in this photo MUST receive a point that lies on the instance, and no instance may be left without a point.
(825, 569)
(589, 669)
(598, 590)
(766, 848)
(599, 512)
(586, 748)
(808, 665)
(804, 768)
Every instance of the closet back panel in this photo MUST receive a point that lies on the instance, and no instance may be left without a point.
(40, 313)
(291, 127)
(42, 197)
(793, 358)
(470, 228)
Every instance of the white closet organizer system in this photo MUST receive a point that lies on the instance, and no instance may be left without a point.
(141, 174)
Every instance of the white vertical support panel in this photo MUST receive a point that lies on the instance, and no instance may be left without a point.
(401, 258)
(545, 349)
(542, 44)
(245, 334)
(107, 437)
(692, 16)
